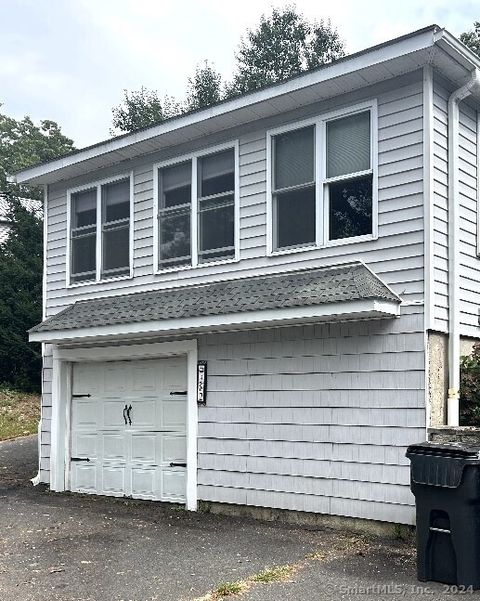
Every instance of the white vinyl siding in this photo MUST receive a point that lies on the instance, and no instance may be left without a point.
(468, 199)
(396, 256)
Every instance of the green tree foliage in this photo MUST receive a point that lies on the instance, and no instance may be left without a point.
(284, 44)
(204, 88)
(472, 38)
(470, 388)
(20, 298)
(22, 144)
(143, 108)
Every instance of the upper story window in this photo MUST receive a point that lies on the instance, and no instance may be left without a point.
(322, 182)
(100, 231)
(196, 210)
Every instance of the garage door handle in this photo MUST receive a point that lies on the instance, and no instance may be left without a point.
(184, 393)
(128, 414)
(79, 459)
(173, 464)
(125, 409)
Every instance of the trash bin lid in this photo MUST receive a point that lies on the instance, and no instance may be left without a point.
(454, 450)
(441, 464)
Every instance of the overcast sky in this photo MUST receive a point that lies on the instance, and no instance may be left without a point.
(69, 60)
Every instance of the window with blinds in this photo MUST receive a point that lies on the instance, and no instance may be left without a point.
(349, 176)
(322, 199)
(293, 188)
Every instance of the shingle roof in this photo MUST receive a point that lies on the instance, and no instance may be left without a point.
(32, 206)
(296, 289)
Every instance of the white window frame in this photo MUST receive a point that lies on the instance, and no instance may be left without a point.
(98, 232)
(193, 158)
(321, 181)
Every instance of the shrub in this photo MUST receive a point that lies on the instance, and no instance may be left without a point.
(470, 388)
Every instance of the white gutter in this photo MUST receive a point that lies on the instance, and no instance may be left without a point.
(453, 406)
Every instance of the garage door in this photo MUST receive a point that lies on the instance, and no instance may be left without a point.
(128, 429)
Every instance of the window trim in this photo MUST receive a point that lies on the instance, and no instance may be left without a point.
(321, 181)
(98, 232)
(194, 157)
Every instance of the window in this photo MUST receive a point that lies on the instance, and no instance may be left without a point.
(348, 161)
(175, 205)
(216, 187)
(107, 237)
(294, 188)
(84, 235)
(196, 210)
(322, 182)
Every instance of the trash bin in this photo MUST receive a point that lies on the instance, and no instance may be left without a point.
(445, 479)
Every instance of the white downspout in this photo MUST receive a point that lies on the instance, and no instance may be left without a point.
(453, 406)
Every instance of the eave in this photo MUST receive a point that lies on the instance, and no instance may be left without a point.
(431, 45)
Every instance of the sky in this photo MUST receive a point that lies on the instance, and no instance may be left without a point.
(70, 60)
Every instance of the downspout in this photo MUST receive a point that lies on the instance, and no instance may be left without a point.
(453, 405)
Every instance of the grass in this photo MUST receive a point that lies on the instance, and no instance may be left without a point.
(226, 589)
(19, 413)
(273, 574)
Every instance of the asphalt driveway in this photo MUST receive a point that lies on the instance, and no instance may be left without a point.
(79, 548)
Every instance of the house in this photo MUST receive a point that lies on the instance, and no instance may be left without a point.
(247, 304)
(34, 206)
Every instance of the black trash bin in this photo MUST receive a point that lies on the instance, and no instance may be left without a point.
(445, 479)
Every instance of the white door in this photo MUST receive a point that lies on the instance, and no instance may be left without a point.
(128, 428)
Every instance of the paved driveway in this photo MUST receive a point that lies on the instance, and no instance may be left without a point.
(78, 548)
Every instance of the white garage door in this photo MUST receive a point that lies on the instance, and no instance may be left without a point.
(128, 428)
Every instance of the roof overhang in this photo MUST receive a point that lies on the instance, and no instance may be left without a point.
(340, 311)
(431, 45)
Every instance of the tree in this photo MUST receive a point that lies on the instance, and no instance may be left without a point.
(284, 44)
(143, 108)
(204, 88)
(472, 38)
(22, 144)
(20, 298)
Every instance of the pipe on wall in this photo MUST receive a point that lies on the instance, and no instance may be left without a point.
(453, 406)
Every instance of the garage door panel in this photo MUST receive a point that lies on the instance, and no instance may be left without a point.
(84, 445)
(87, 379)
(85, 414)
(85, 478)
(114, 447)
(173, 485)
(115, 376)
(174, 414)
(144, 377)
(146, 483)
(112, 413)
(174, 448)
(144, 413)
(144, 448)
(113, 480)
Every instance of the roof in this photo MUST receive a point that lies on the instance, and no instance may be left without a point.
(429, 46)
(296, 289)
(32, 206)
